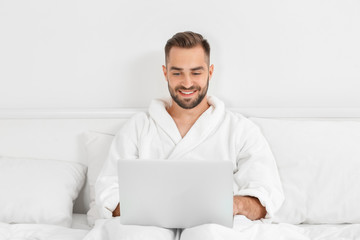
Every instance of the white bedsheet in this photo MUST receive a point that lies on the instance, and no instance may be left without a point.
(45, 232)
(246, 229)
(106, 229)
(79, 221)
(39, 232)
(332, 232)
(243, 229)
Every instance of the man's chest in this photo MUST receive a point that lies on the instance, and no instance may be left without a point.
(219, 145)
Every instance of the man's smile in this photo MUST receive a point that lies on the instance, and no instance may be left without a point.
(187, 93)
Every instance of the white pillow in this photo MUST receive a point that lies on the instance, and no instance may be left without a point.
(97, 148)
(38, 190)
(319, 162)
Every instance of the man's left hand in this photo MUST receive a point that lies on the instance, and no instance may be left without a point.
(250, 207)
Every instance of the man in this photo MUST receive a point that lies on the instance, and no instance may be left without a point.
(192, 125)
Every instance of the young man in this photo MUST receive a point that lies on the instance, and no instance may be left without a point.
(192, 125)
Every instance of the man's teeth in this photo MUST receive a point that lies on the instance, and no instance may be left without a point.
(186, 92)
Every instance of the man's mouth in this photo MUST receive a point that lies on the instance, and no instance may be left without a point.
(187, 93)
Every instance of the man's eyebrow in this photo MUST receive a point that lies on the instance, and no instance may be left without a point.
(176, 69)
(197, 68)
(192, 69)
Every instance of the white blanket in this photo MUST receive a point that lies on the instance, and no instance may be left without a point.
(108, 229)
(39, 232)
(112, 229)
(217, 135)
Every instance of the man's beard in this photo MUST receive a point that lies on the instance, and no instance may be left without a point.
(187, 103)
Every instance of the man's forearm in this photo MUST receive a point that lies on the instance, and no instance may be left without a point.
(249, 207)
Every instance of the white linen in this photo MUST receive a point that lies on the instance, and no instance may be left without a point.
(97, 149)
(246, 229)
(254, 230)
(331, 232)
(217, 134)
(39, 191)
(319, 168)
(39, 232)
(79, 221)
(107, 229)
(112, 229)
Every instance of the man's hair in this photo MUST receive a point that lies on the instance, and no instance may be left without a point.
(187, 39)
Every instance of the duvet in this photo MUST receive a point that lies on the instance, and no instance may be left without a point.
(39, 232)
(243, 229)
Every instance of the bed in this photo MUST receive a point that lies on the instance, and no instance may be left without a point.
(75, 142)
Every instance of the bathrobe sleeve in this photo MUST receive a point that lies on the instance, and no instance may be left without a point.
(124, 146)
(257, 174)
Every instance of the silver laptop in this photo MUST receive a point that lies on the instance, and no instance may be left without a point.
(175, 194)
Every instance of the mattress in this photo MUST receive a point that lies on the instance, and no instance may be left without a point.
(46, 232)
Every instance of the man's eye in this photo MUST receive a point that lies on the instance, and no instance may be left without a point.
(176, 74)
(196, 73)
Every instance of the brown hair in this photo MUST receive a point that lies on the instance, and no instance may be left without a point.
(187, 39)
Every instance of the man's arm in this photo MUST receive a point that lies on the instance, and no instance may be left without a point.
(256, 175)
(250, 207)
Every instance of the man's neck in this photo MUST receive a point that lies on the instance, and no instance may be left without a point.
(185, 118)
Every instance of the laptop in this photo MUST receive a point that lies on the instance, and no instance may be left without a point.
(175, 194)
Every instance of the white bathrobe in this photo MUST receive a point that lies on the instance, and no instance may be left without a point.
(218, 134)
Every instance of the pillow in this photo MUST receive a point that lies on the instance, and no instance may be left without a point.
(318, 163)
(97, 149)
(39, 190)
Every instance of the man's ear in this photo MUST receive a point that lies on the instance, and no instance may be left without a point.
(211, 71)
(164, 71)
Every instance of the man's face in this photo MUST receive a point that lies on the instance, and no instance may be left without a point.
(188, 75)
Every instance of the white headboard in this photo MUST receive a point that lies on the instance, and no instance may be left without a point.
(57, 134)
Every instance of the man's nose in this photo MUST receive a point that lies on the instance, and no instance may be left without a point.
(187, 82)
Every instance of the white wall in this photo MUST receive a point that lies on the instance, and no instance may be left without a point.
(106, 54)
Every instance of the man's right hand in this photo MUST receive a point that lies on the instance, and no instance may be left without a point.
(116, 212)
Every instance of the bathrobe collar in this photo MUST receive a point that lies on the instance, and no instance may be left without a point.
(202, 128)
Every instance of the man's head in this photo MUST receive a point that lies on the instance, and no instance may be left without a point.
(187, 70)
(187, 40)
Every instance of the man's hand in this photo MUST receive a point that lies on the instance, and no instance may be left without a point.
(250, 207)
(116, 212)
